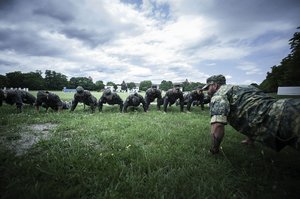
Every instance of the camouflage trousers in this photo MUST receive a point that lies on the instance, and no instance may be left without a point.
(282, 126)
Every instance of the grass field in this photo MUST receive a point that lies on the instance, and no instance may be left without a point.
(134, 155)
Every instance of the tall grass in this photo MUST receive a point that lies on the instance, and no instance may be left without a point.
(137, 155)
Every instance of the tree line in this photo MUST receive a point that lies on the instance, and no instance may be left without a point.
(287, 73)
(57, 81)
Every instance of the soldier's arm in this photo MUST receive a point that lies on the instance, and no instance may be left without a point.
(74, 103)
(144, 103)
(120, 102)
(166, 101)
(125, 106)
(217, 134)
(189, 102)
(100, 104)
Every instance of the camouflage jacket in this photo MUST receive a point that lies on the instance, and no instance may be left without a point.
(12, 97)
(27, 98)
(134, 100)
(152, 94)
(86, 97)
(245, 108)
(111, 99)
(51, 100)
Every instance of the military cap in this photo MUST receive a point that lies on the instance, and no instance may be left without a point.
(219, 79)
(154, 86)
(107, 92)
(79, 89)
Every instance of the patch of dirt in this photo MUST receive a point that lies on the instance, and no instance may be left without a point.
(28, 136)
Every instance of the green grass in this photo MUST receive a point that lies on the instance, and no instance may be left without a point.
(137, 155)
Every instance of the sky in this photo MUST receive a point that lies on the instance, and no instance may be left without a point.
(137, 40)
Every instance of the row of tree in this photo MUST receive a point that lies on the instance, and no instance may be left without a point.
(287, 73)
(56, 81)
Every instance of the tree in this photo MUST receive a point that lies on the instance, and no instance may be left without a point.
(3, 81)
(144, 85)
(124, 86)
(166, 85)
(15, 79)
(34, 80)
(54, 80)
(131, 85)
(288, 71)
(112, 84)
(85, 82)
(99, 85)
(186, 85)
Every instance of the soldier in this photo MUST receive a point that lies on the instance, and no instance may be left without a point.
(172, 95)
(195, 95)
(134, 100)
(273, 122)
(27, 97)
(47, 99)
(111, 99)
(12, 97)
(151, 94)
(85, 97)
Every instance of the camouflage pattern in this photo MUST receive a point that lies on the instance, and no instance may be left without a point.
(134, 100)
(27, 98)
(48, 100)
(171, 96)
(12, 97)
(274, 122)
(151, 95)
(195, 95)
(84, 97)
(218, 79)
(111, 99)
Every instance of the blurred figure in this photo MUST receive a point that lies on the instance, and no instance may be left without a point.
(111, 99)
(84, 96)
(49, 100)
(134, 100)
(152, 94)
(172, 95)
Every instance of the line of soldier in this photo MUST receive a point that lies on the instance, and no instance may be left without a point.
(50, 100)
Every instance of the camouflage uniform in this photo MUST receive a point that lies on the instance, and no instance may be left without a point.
(111, 99)
(134, 100)
(151, 95)
(12, 97)
(47, 99)
(84, 96)
(171, 96)
(27, 98)
(196, 95)
(276, 123)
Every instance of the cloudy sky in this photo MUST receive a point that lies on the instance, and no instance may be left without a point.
(136, 40)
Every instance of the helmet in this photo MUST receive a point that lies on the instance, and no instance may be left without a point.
(79, 89)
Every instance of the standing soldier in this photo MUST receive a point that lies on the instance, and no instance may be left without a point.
(134, 100)
(111, 99)
(12, 97)
(195, 95)
(47, 99)
(85, 97)
(172, 95)
(151, 95)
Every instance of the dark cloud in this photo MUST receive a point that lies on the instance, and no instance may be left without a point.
(55, 12)
(27, 42)
(90, 37)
